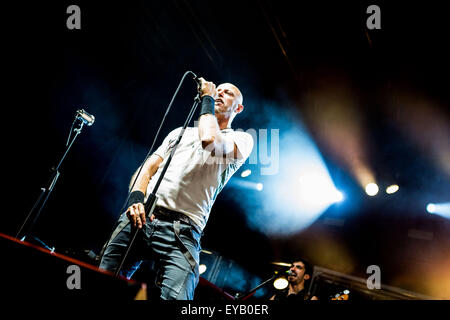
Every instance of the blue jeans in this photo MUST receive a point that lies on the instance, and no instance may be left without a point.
(173, 246)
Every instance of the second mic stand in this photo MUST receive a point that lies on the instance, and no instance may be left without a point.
(248, 294)
(46, 191)
(151, 201)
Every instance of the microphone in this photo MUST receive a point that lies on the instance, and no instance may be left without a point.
(87, 118)
(196, 78)
(290, 273)
(199, 83)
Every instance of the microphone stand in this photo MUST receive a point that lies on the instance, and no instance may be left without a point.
(151, 201)
(246, 295)
(46, 191)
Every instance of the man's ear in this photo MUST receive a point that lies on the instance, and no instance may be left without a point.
(239, 108)
(306, 277)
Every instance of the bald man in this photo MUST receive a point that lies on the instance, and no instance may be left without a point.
(202, 164)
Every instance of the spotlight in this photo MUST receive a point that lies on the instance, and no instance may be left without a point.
(440, 209)
(245, 183)
(202, 268)
(299, 188)
(315, 190)
(280, 283)
(338, 196)
(372, 189)
(392, 189)
(431, 208)
(246, 173)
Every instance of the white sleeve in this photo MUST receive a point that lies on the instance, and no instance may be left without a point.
(244, 143)
(164, 149)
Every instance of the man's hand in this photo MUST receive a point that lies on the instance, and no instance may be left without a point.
(136, 214)
(208, 88)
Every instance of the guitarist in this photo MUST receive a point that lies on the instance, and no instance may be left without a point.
(300, 275)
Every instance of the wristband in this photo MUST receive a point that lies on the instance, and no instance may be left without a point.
(207, 105)
(136, 197)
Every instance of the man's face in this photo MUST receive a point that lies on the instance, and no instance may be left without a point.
(227, 98)
(298, 272)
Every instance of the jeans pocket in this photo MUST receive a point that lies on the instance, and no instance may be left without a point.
(188, 232)
(149, 227)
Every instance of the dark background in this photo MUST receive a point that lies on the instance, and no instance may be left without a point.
(124, 65)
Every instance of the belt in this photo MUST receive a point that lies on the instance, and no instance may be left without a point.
(165, 214)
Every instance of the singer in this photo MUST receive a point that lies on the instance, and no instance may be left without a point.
(299, 276)
(202, 164)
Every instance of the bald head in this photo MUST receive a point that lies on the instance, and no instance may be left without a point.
(234, 89)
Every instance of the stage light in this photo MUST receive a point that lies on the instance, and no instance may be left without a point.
(301, 192)
(202, 268)
(245, 184)
(440, 209)
(315, 189)
(298, 193)
(338, 196)
(372, 189)
(431, 208)
(280, 283)
(246, 173)
(392, 189)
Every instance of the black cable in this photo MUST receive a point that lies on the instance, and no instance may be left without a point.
(149, 153)
(151, 201)
(70, 132)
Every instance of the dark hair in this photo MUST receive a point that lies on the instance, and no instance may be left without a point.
(308, 270)
(308, 266)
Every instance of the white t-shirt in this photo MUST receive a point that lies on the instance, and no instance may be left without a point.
(194, 177)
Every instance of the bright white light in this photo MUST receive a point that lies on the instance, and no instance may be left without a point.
(338, 196)
(246, 173)
(392, 189)
(202, 268)
(440, 209)
(372, 189)
(298, 189)
(244, 183)
(316, 190)
(431, 208)
(280, 283)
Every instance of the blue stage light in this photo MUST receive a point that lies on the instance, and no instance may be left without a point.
(246, 173)
(440, 209)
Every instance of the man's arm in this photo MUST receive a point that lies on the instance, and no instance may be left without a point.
(209, 131)
(213, 140)
(136, 210)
